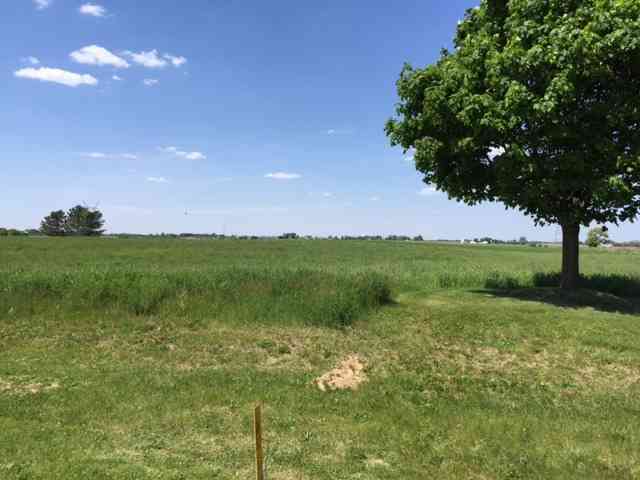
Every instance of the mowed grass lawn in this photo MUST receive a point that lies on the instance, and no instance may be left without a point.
(142, 359)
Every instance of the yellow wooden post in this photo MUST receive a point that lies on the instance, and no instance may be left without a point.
(257, 424)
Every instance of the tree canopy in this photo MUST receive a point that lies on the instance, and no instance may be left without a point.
(598, 236)
(84, 221)
(79, 220)
(54, 224)
(537, 107)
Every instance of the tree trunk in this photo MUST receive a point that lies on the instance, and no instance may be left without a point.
(570, 256)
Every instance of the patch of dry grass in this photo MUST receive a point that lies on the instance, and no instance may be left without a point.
(25, 386)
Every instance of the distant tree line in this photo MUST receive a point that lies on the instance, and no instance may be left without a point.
(86, 221)
(396, 238)
(13, 232)
(497, 241)
(284, 236)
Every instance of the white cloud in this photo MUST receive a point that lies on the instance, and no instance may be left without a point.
(426, 191)
(150, 82)
(117, 78)
(31, 60)
(192, 155)
(56, 75)
(182, 154)
(153, 59)
(374, 199)
(157, 180)
(150, 59)
(95, 55)
(327, 194)
(175, 61)
(42, 4)
(128, 156)
(93, 10)
(283, 176)
(339, 131)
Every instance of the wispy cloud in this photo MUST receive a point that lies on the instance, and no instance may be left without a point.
(192, 155)
(182, 154)
(283, 176)
(31, 60)
(327, 194)
(427, 191)
(96, 55)
(153, 59)
(150, 82)
(93, 10)
(42, 4)
(127, 156)
(117, 78)
(56, 75)
(150, 59)
(175, 61)
(157, 180)
(374, 198)
(339, 131)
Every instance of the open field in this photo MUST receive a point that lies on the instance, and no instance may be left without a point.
(142, 359)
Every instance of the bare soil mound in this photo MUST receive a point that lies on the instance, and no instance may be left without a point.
(347, 376)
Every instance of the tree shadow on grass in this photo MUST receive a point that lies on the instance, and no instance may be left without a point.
(608, 293)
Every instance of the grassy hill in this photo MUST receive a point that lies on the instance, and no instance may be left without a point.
(143, 358)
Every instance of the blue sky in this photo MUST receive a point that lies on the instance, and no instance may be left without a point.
(249, 116)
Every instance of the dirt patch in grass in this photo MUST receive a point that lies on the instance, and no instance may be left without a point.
(373, 462)
(25, 387)
(349, 375)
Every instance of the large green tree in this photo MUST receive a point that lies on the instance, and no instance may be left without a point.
(84, 221)
(538, 107)
(54, 224)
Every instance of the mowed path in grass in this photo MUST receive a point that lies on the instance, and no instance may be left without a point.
(464, 380)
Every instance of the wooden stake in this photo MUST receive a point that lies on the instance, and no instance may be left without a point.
(257, 424)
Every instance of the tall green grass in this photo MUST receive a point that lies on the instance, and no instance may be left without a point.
(232, 294)
(305, 282)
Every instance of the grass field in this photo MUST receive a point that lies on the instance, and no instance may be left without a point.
(142, 359)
